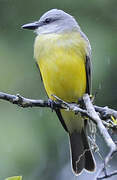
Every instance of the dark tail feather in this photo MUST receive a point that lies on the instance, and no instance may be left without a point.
(80, 152)
(77, 148)
(89, 160)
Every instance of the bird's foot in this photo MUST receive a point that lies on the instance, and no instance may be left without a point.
(51, 104)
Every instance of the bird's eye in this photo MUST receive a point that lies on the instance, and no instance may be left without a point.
(47, 20)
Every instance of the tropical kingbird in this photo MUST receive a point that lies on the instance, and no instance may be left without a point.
(63, 55)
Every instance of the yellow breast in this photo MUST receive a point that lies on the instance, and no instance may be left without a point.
(61, 59)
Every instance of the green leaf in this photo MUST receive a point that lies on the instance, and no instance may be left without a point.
(14, 178)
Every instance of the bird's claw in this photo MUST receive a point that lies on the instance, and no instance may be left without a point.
(51, 104)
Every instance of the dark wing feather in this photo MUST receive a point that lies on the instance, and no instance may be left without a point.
(88, 74)
(61, 119)
(39, 71)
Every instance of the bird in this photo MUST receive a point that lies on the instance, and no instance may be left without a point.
(63, 55)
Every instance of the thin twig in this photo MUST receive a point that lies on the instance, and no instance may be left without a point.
(106, 112)
(108, 175)
(25, 102)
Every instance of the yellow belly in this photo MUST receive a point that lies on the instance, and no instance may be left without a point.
(64, 76)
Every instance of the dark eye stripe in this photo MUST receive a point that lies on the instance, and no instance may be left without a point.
(48, 20)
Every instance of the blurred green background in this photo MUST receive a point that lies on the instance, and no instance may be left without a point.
(32, 141)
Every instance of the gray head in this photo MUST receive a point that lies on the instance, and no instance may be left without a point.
(54, 21)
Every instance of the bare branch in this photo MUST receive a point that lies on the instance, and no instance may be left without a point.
(25, 103)
(19, 100)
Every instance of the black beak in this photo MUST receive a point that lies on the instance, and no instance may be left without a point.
(31, 26)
